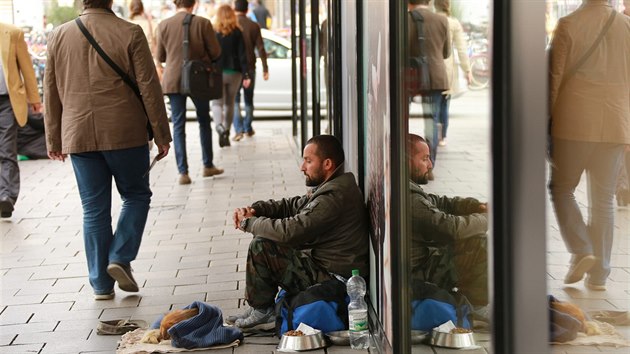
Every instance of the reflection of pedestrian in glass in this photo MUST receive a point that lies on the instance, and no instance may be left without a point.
(459, 42)
(589, 90)
(233, 61)
(18, 91)
(253, 43)
(263, 17)
(203, 45)
(437, 47)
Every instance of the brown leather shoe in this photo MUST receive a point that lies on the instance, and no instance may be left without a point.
(212, 171)
(250, 134)
(184, 179)
(238, 137)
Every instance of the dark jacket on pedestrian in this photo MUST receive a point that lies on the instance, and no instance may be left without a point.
(203, 45)
(253, 41)
(437, 45)
(331, 223)
(233, 55)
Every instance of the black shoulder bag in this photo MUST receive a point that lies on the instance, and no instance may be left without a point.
(199, 80)
(419, 81)
(117, 69)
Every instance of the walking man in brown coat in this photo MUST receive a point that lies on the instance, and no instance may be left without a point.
(94, 116)
(437, 47)
(253, 41)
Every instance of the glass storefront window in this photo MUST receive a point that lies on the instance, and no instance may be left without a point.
(449, 168)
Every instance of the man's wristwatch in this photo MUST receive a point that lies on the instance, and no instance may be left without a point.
(243, 224)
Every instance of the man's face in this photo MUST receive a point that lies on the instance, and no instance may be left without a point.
(420, 163)
(312, 166)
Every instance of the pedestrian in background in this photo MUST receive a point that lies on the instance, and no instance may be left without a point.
(138, 16)
(263, 17)
(253, 42)
(203, 45)
(94, 116)
(590, 126)
(18, 91)
(437, 47)
(233, 61)
(456, 33)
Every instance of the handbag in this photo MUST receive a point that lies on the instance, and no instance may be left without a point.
(418, 76)
(200, 80)
(117, 69)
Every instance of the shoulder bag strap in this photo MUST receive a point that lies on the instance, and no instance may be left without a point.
(187, 21)
(419, 20)
(109, 61)
(590, 51)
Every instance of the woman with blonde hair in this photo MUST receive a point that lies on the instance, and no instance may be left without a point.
(233, 62)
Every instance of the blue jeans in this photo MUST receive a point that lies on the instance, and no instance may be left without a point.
(244, 125)
(94, 172)
(602, 162)
(178, 117)
(431, 104)
(444, 105)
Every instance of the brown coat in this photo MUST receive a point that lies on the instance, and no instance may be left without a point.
(253, 39)
(18, 71)
(203, 45)
(88, 106)
(594, 104)
(437, 45)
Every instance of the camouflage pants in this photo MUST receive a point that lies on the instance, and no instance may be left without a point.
(270, 265)
(471, 262)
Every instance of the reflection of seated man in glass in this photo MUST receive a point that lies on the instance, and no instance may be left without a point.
(448, 234)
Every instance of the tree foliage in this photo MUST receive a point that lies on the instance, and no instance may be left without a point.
(57, 15)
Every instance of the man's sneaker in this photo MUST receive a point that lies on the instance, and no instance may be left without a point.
(231, 319)
(580, 264)
(108, 296)
(258, 320)
(122, 274)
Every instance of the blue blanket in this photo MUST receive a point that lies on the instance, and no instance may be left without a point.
(201, 331)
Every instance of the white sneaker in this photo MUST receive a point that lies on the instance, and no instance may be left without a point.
(442, 142)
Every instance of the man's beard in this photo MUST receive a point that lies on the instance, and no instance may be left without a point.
(421, 179)
(315, 181)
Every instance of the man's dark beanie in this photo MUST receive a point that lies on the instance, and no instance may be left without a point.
(240, 5)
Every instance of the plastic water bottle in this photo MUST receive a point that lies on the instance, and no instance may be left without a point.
(357, 312)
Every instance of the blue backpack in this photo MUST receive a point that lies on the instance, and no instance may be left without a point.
(432, 306)
(323, 306)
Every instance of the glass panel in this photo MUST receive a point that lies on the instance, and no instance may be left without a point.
(448, 156)
(588, 224)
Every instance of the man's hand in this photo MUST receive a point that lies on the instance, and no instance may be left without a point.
(266, 76)
(242, 213)
(36, 107)
(483, 207)
(163, 151)
(56, 155)
(246, 83)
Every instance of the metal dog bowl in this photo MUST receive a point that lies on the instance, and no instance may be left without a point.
(452, 340)
(301, 343)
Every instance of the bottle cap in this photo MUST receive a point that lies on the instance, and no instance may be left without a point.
(355, 272)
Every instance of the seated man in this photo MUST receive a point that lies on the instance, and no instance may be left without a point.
(303, 240)
(449, 234)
